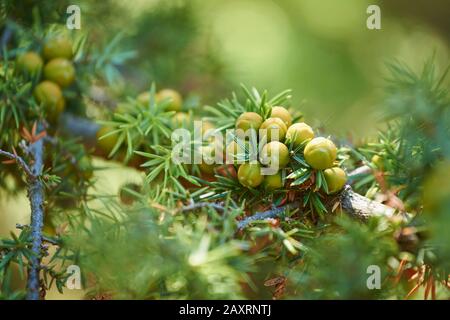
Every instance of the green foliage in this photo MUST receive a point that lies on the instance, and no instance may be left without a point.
(336, 265)
(418, 127)
(225, 113)
(189, 256)
(26, 12)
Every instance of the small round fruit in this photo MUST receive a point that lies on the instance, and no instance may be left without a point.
(299, 133)
(273, 182)
(320, 153)
(275, 155)
(249, 120)
(181, 119)
(30, 63)
(283, 114)
(144, 98)
(207, 127)
(271, 127)
(336, 179)
(107, 143)
(249, 175)
(49, 96)
(173, 97)
(58, 47)
(208, 159)
(378, 161)
(60, 71)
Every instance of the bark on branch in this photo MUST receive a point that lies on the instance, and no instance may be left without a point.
(352, 203)
(36, 197)
(361, 207)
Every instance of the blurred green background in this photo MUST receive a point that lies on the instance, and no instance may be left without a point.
(321, 49)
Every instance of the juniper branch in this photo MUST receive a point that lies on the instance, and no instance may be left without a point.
(352, 203)
(269, 214)
(363, 208)
(199, 205)
(36, 197)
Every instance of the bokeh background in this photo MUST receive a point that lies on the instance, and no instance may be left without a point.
(320, 49)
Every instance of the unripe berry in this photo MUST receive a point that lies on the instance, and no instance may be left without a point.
(273, 182)
(173, 97)
(60, 71)
(144, 98)
(207, 126)
(58, 47)
(378, 161)
(30, 63)
(181, 119)
(49, 96)
(249, 120)
(336, 179)
(249, 175)
(208, 162)
(106, 144)
(272, 126)
(320, 153)
(275, 155)
(283, 114)
(299, 133)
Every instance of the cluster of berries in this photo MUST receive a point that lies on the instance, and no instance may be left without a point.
(56, 71)
(278, 140)
(173, 102)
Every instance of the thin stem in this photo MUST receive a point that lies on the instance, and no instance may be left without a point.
(198, 205)
(36, 197)
(273, 213)
(20, 161)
